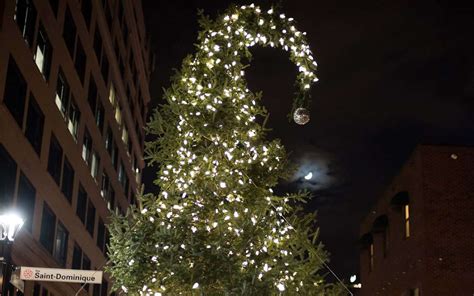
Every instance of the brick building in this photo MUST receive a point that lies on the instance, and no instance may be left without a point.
(73, 94)
(419, 237)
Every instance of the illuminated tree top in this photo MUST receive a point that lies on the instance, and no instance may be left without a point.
(216, 228)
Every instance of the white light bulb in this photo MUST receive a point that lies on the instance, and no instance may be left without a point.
(353, 278)
(281, 287)
(196, 286)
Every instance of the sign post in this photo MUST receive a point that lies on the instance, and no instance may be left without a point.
(61, 275)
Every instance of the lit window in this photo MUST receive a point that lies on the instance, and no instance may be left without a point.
(125, 136)
(115, 105)
(73, 117)
(43, 53)
(105, 186)
(118, 114)
(25, 17)
(60, 244)
(371, 257)
(406, 213)
(415, 292)
(95, 161)
(62, 94)
(86, 147)
(112, 95)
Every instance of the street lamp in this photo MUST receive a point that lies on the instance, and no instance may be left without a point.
(10, 224)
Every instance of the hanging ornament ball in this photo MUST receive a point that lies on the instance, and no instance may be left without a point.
(301, 116)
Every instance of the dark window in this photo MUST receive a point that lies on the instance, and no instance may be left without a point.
(114, 155)
(126, 185)
(62, 93)
(107, 242)
(34, 125)
(120, 10)
(7, 176)
(117, 49)
(86, 146)
(54, 159)
(81, 204)
(25, 17)
(15, 92)
(43, 53)
(101, 235)
(122, 69)
(68, 180)
(144, 111)
(48, 228)
(129, 145)
(36, 290)
(60, 246)
(96, 290)
(54, 6)
(385, 234)
(104, 288)
(76, 257)
(86, 262)
(26, 200)
(97, 44)
(69, 32)
(104, 68)
(86, 265)
(108, 13)
(87, 11)
(80, 61)
(125, 32)
(90, 218)
(92, 96)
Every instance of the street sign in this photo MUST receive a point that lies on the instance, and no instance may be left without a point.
(60, 275)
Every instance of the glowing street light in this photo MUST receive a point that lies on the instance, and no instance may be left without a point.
(10, 225)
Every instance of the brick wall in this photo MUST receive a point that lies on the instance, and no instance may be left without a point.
(438, 257)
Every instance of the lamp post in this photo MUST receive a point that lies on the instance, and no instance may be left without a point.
(10, 224)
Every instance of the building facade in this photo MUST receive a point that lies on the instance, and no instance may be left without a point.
(74, 90)
(418, 239)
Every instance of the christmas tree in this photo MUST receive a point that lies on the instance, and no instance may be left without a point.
(216, 227)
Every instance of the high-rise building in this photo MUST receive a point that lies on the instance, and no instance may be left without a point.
(418, 238)
(74, 90)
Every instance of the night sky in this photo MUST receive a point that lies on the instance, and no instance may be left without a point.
(392, 74)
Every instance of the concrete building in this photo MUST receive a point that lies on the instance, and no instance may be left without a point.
(73, 94)
(418, 239)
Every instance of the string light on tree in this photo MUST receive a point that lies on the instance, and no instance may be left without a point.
(216, 227)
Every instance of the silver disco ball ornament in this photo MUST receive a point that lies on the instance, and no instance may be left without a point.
(301, 116)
